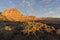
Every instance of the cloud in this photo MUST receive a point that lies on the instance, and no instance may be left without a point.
(46, 1)
(10, 1)
(23, 1)
(50, 12)
(58, 7)
(28, 4)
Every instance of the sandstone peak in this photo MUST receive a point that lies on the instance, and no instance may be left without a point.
(11, 11)
(12, 14)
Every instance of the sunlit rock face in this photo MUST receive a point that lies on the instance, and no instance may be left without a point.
(31, 18)
(13, 14)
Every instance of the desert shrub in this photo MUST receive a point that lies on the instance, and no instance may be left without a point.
(32, 27)
(58, 32)
(8, 28)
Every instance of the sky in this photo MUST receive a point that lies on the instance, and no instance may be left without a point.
(38, 8)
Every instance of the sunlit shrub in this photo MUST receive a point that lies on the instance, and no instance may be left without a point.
(58, 32)
(8, 28)
(32, 27)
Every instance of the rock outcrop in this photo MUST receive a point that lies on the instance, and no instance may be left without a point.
(13, 14)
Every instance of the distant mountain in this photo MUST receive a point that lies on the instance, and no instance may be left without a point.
(51, 21)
